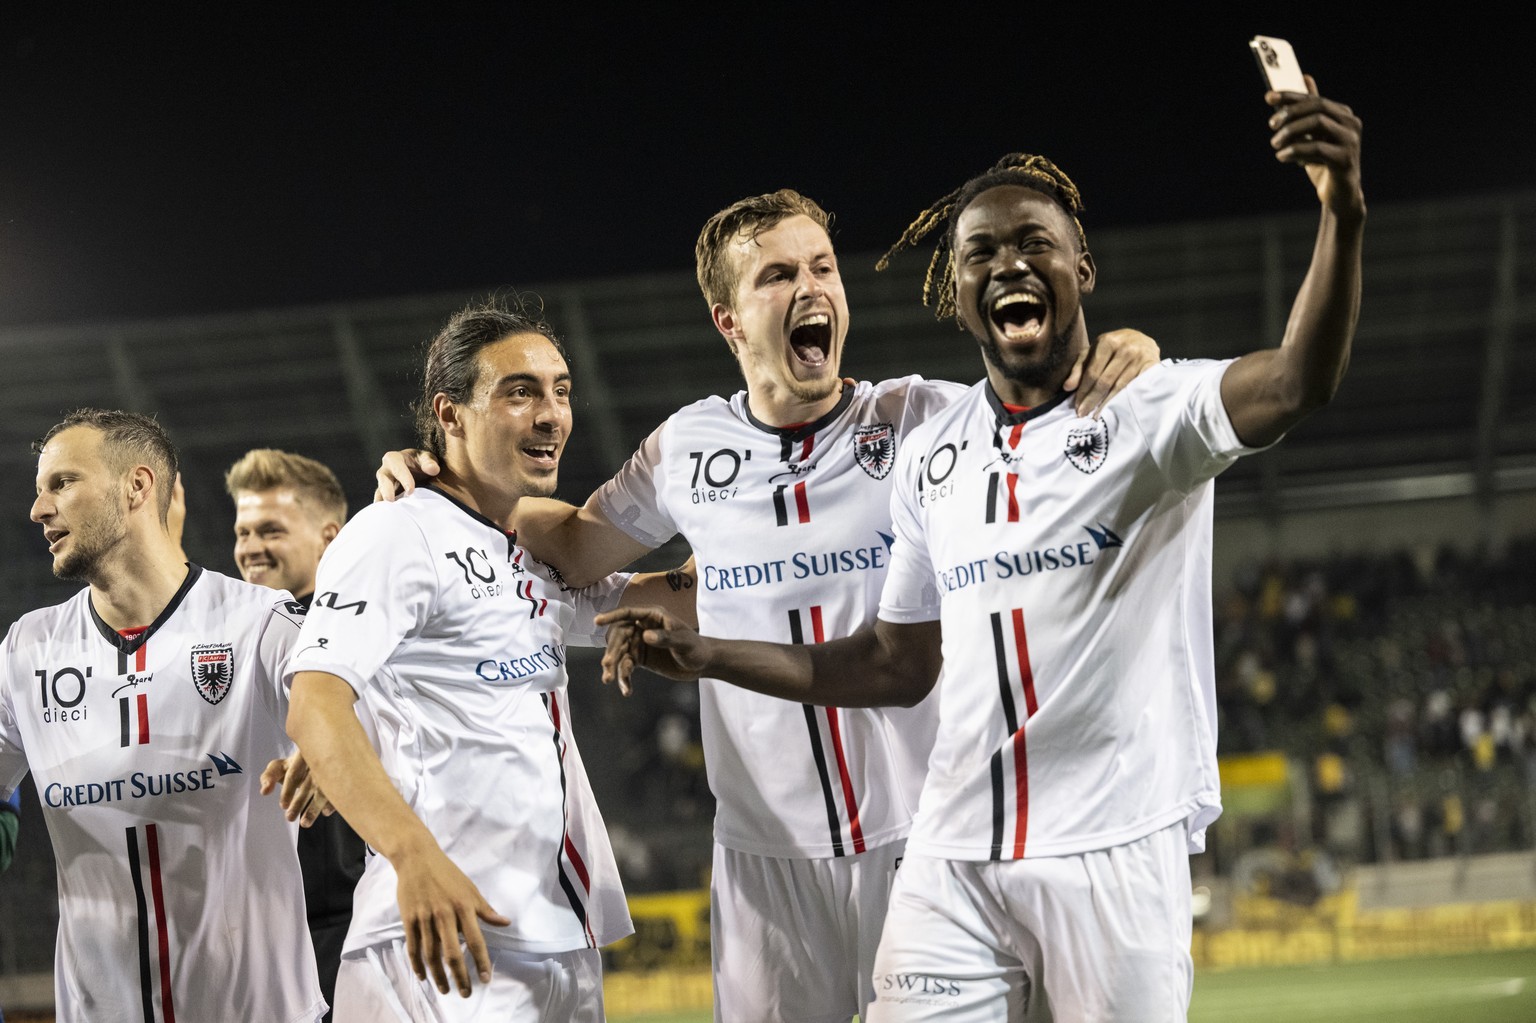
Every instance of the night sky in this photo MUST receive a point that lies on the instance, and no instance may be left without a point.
(202, 161)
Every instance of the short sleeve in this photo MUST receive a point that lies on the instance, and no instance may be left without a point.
(591, 601)
(910, 594)
(275, 644)
(1177, 407)
(633, 499)
(13, 757)
(374, 587)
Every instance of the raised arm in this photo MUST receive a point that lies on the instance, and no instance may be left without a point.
(438, 902)
(1268, 392)
(886, 666)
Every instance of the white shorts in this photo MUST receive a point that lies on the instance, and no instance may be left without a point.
(1101, 936)
(793, 940)
(377, 985)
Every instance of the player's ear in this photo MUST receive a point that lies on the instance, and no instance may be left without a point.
(328, 531)
(138, 484)
(447, 413)
(727, 324)
(1087, 273)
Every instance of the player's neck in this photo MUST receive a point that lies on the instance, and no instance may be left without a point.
(484, 498)
(777, 407)
(132, 587)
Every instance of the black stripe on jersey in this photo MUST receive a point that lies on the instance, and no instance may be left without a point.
(1004, 684)
(818, 752)
(780, 508)
(577, 906)
(826, 780)
(146, 987)
(128, 646)
(123, 707)
(992, 497)
(1010, 715)
(999, 809)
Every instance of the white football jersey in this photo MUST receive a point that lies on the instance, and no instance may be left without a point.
(455, 638)
(791, 533)
(174, 872)
(1069, 562)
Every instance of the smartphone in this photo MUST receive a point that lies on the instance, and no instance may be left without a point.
(1278, 63)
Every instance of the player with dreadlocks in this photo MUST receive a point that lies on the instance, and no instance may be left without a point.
(1059, 570)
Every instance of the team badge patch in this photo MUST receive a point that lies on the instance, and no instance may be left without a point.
(1087, 445)
(874, 448)
(213, 669)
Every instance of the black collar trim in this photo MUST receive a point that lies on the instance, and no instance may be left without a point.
(128, 646)
(467, 510)
(804, 430)
(1006, 418)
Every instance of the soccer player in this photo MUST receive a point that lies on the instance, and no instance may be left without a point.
(1059, 570)
(140, 706)
(454, 637)
(288, 508)
(783, 492)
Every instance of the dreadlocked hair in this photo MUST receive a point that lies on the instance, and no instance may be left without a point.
(1025, 169)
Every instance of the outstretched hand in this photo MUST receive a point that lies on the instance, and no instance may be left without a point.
(1324, 137)
(651, 638)
(400, 471)
(1105, 368)
(301, 797)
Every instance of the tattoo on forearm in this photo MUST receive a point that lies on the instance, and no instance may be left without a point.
(679, 580)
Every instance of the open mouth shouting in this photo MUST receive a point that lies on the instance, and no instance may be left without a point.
(1019, 315)
(810, 338)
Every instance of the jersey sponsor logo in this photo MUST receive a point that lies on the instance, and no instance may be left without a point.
(918, 988)
(520, 666)
(140, 784)
(1088, 445)
(1017, 564)
(714, 474)
(934, 472)
(295, 608)
(796, 491)
(874, 449)
(213, 670)
(479, 573)
(225, 763)
(800, 565)
(333, 600)
(62, 694)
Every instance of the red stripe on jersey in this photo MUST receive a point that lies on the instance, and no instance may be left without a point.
(152, 835)
(1020, 758)
(801, 505)
(855, 830)
(805, 447)
(140, 655)
(1026, 676)
(1013, 438)
(1013, 498)
(1020, 794)
(143, 702)
(576, 861)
